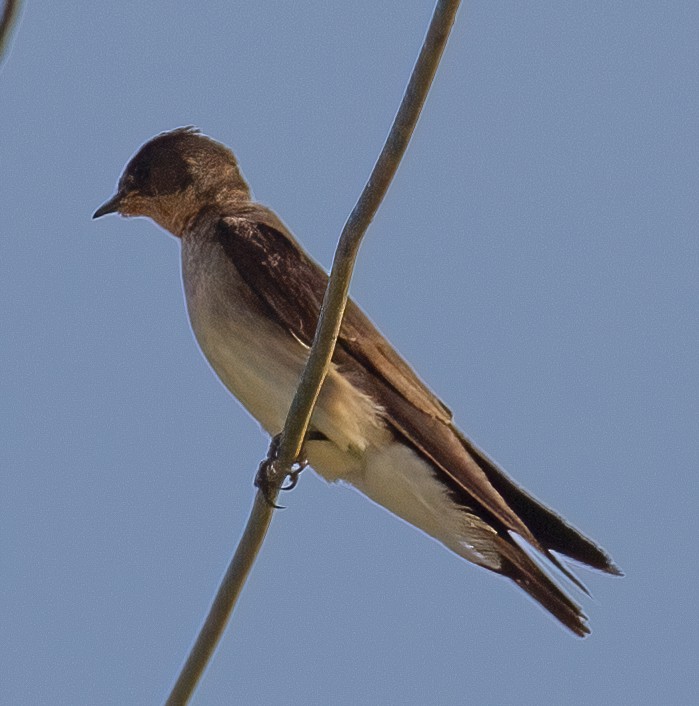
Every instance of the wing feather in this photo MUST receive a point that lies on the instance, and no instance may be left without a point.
(291, 287)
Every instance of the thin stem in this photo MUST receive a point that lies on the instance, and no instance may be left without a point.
(326, 335)
(335, 299)
(224, 602)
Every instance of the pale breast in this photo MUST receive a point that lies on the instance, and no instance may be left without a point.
(258, 361)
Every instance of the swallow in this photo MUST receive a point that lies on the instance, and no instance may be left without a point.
(253, 296)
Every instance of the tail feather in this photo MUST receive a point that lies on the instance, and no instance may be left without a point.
(552, 534)
(551, 531)
(567, 572)
(520, 568)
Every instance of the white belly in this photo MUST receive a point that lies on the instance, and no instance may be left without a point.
(260, 364)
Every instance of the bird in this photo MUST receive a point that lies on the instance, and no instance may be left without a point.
(253, 296)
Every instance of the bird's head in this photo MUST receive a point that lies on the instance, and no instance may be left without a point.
(173, 176)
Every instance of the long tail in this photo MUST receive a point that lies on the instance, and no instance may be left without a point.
(553, 534)
(551, 531)
(518, 566)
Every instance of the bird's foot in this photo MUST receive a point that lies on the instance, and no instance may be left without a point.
(269, 478)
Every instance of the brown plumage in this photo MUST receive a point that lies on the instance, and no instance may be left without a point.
(254, 297)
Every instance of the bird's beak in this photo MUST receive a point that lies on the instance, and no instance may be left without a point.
(111, 206)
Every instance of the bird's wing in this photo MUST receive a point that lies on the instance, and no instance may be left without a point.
(291, 287)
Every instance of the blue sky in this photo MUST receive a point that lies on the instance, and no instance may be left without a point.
(536, 260)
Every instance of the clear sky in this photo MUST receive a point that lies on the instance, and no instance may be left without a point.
(536, 260)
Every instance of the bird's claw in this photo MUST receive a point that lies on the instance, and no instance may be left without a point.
(294, 474)
(265, 484)
(266, 476)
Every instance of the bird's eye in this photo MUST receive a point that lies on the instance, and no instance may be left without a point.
(140, 174)
(135, 177)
